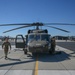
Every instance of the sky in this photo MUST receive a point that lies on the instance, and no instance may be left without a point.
(30, 11)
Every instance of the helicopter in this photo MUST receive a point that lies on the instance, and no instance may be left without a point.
(36, 40)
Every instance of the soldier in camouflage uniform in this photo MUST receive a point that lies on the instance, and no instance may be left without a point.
(5, 46)
(53, 44)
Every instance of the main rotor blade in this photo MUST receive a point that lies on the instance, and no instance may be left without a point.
(37, 23)
(16, 24)
(17, 28)
(57, 28)
(59, 24)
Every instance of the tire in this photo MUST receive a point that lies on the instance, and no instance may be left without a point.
(50, 51)
(25, 51)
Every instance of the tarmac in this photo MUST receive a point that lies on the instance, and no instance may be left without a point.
(38, 64)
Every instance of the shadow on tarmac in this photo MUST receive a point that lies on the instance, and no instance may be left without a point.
(16, 63)
(53, 58)
(42, 57)
(13, 59)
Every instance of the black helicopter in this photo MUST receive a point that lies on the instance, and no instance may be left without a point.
(37, 40)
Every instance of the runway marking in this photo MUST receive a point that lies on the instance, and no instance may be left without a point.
(36, 66)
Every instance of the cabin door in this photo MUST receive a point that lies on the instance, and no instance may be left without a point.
(20, 41)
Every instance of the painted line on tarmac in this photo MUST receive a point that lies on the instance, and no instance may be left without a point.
(36, 66)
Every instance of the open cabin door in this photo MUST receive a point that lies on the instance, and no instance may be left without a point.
(19, 41)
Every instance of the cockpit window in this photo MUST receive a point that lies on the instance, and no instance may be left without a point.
(33, 37)
(38, 37)
(45, 37)
(30, 37)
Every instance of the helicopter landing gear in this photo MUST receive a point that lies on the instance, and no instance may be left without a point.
(54, 52)
(51, 51)
(25, 51)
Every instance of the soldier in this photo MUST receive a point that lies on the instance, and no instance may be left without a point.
(53, 44)
(5, 46)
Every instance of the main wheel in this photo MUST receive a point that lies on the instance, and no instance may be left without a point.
(25, 51)
(51, 51)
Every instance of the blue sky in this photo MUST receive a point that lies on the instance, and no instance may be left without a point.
(45, 11)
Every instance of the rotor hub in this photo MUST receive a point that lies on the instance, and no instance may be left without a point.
(37, 24)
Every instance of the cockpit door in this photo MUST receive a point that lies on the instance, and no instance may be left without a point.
(19, 41)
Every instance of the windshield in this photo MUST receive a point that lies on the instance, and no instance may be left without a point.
(45, 37)
(34, 37)
(38, 37)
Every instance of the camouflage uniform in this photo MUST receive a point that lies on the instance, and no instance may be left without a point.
(53, 44)
(5, 46)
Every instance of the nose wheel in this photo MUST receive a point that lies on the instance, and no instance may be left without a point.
(25, 51)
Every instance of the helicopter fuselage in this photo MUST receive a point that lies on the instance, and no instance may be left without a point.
(38, 42)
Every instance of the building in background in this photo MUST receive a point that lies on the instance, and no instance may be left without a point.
(72, 38)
